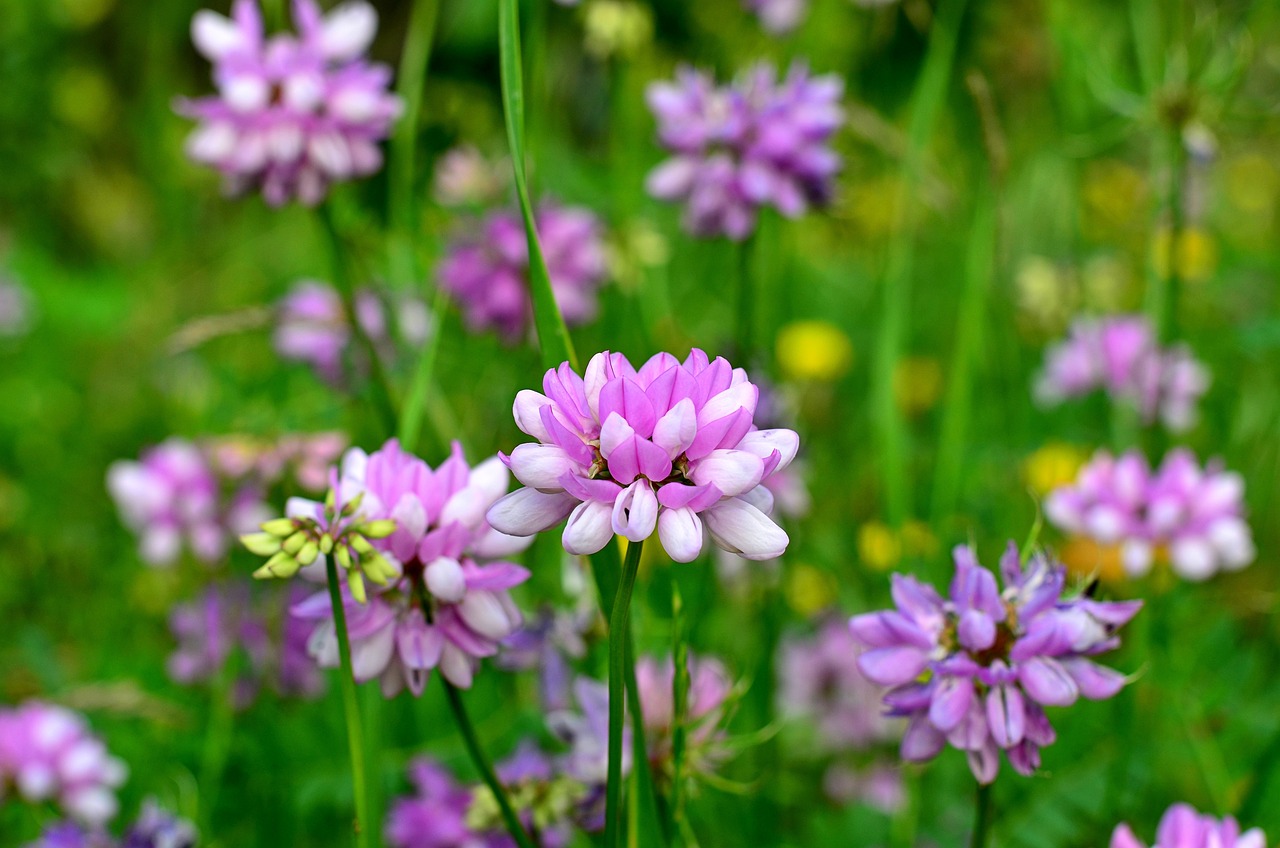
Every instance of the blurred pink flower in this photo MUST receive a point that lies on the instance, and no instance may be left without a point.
(293, 113)
(1183, 827)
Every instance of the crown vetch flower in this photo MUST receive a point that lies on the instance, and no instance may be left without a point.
(1120, 355)
(779, 17)
(435, 816)
(171, 496)
(293, 113)
(1183, 827)
(760, 141)
(1192, 515)
(977, 668)
(710, 688)
(439, 607)
(670, 447)
(48, 753)
(487, 268)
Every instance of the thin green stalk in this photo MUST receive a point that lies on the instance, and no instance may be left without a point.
(619, 628)
(982, 816)
(217, 740)
(969, 330)
(384, 398)
(644, 822)
(680, 705)
(409, 85)
(896, 297)
(468, 731)
(351, 707)
(415, 403)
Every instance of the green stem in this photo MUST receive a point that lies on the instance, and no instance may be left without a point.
(409, 85)
(896, 297)
(982, 816)
(415, 403)
(384, 398)
(680, 705)
(351, 706)
(619, 628)
(468, 731)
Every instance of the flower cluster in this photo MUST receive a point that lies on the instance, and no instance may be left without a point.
(1190, 514)
(312, 327)
(226, 618)
(1183, 827)
(1121, 356)
(155, 828)
(302, 457)
(736, 149)
(977, 668)
(487, 268)
(293, 114)
(670, 447)
(172, 496)
(47, 753)
(436, 606)
(707, 710)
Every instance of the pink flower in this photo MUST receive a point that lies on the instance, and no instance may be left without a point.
(709, 690)
(443, 609)
(49, 754)
(1195, 513)
(293, 114)
(1183, 827)
(670, 448)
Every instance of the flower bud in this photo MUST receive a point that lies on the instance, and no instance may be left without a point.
(360, 544)
(281, 565)
(343, 555)
(380, 529)
(356, 584)
(308, 553)
(280, 527)
(262, 544)
(294, 543)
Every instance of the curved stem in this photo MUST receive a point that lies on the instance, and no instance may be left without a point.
(384, 398)
(619, 628)
(487, 774)
(351, 706)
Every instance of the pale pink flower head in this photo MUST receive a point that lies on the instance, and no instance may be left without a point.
(1183, 827)
(779, 17)
(670, 447)
(487, 268)
(709, 689)
(443, 608)
(1192, 514)
(47, 753)
(293, 113)
(172, 498)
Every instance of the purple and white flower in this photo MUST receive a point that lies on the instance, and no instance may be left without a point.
(1183, 827)
(293, 113)
(670, 448)
(976, 669)
(1193, 515)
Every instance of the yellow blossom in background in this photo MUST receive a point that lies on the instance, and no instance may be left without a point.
(1197, 254)
(1047, 294)
(1113, 199)
(616, 28)
(1086, 559)
(814, 350)
(917, 383)
(808, 590)
(879, 548)
(1054, 465)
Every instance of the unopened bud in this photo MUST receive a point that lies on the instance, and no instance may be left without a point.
(281, 565)
(380, 529)
(326, 544)
(294, 543)
(262, 544)
(308, 554)
(350, 507)
(356, 583)
(280, 527)
(360, 544)
(343, 555)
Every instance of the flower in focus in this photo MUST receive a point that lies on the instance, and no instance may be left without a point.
(819, 681)
(1121, 355)
(312, 327)
(1183, 827)
(293, 113)
(977, 668)
(47, 753)
(439, 607)
(814, 350)
(1192, 515)
(758, 142)
(171, 497)
(778, 17)
(487, 269)
(670, 448)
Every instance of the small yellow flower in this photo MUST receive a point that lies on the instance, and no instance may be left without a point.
(814, 350)
(917, 383)
(808, 590)
(1197, 254)
(1087, 558)
(1054, 465)
(879, 547)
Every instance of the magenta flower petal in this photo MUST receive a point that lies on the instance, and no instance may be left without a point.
(893, 666)
(1047, 682)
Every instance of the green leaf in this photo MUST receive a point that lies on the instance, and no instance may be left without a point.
(553, 335)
